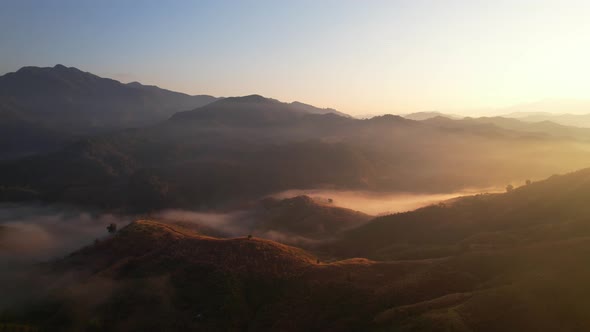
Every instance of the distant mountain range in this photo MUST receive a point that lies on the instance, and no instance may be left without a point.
(77, 101)
(574, 120)
(242, 148)
(574, 113)
(53, 105)
(419, 116)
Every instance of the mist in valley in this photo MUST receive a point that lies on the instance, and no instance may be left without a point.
(382, 203)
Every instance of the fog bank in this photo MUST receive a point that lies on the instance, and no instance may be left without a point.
(377, 203)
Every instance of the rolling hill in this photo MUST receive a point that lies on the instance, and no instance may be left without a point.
(509, 262)
(154, 275)
(302, 216)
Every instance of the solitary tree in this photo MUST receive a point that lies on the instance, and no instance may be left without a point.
(527, 182)
(249, 236)
(509, 188)
(112, 228)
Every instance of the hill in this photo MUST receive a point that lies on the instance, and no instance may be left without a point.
(155, 275)
(521, 250)
(179, 247)
(552, 209)
(304, 217)
(507, 262)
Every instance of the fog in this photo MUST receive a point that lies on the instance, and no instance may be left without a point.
(36, 233)
(377, 203)
(32, 234)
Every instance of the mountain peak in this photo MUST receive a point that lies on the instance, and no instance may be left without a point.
(59, 68)
(258, 99)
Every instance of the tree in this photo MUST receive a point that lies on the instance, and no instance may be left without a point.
(249, 236)
(509, 188)
(527, 182)
(112, 228)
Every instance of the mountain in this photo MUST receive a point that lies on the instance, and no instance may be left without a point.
(75, 101)
(544, 128)
(566, 112)
(251, 109)
(152, 275)
(419, 116)
(242, 148)
(59, 104)
(315, 110)
(574, 120)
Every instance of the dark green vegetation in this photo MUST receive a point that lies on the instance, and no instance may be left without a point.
(503, 262)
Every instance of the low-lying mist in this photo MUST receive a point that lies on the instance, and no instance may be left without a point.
(381, 203)
(32, 234)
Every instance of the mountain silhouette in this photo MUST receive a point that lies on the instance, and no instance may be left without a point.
(68, 98)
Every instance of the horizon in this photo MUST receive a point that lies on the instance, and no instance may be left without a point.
(470, 58)
(548, 106)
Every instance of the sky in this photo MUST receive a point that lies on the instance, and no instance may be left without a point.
(360, 57)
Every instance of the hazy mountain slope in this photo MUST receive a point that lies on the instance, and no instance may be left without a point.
(20, 137)
(315, 110)
(549, 210)
(248, 110)
(77, 101)
(243, 148)
(574, 120)
(541, 128)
